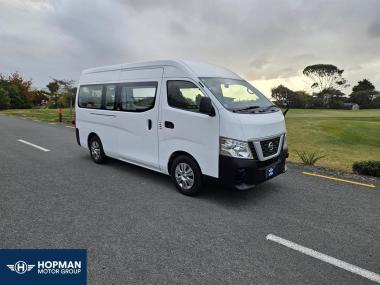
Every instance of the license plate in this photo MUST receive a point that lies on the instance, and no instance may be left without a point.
(270, 172)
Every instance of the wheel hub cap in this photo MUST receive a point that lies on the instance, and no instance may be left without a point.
(184, 176)
(95, 150)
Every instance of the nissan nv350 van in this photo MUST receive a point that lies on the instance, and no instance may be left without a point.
(181, 118)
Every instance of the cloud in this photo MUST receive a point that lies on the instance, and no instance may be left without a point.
(266, 41)
(374, 29)
(176, 28)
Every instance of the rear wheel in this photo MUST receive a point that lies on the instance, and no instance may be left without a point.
(96, 150)
(186, 175)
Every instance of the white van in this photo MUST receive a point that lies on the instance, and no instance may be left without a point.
(181, 118)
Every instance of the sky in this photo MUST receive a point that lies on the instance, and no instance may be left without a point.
(266, 42)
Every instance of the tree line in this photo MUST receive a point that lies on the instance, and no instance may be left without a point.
(17, 93)
(327, 82)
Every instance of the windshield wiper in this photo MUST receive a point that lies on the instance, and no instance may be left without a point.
(246, 108)
(269, 107)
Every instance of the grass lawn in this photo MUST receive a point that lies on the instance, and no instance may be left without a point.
(47, 115)
(344, 136)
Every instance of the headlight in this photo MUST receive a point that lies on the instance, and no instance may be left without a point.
(234, 148)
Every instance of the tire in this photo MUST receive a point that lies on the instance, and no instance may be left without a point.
(96, 150)
(186, 175)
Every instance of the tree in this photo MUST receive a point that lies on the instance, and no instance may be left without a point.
(282, 95)
(62, 92)
(5, 101)
(67, 92)
(363, 85)
(365, 98)
(325, 76)
(17, 89)
(37, 97)
(303, 100)
(364, 94)
(376, 102)
(361, 98)
(16, 79)
(53, 87)
(294, 99)
(330, 98)
(19, 100)
(65, 85)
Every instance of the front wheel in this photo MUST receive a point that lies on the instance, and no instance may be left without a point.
(186, 175)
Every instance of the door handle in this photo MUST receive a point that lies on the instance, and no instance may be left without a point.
(149, 124)
(169, 125)
(104, 115)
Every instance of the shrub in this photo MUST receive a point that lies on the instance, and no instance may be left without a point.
(309, 158)
(18, 99)
(370, 167)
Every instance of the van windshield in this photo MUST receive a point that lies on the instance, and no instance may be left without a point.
(238, 95)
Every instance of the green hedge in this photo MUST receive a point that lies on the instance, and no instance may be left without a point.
(370, 167)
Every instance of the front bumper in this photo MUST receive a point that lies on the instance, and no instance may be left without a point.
(244, 174)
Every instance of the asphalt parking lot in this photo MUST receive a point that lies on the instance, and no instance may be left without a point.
(138, 229)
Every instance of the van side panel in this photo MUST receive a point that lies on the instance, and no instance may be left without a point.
(98, 121)
(124, 135)
(136, 132)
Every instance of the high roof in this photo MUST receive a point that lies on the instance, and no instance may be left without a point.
(191, 68)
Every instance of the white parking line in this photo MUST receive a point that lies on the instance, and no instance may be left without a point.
(34, 145)
(326, 258)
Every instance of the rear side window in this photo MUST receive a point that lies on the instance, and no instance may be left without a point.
(184, 95)
(138, 97)
(110, 96)
(90, 96)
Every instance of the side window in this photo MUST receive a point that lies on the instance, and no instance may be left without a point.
(138, 97)
(184, 95)
(90, 96)
(110, 96)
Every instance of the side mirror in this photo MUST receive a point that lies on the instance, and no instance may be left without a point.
(286, 105)
(205, 107)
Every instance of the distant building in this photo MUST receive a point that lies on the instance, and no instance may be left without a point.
(350, 106)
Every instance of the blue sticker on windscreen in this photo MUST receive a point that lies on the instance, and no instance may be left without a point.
(43, 266)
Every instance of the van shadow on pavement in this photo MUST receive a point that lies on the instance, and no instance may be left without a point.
(213, 191)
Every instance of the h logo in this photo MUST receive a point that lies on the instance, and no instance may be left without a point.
(20, 267)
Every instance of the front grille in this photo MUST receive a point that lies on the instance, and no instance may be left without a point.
(270, 146)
